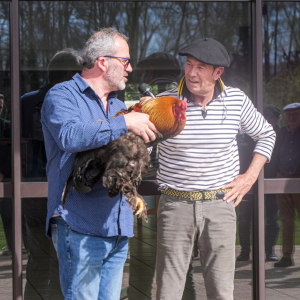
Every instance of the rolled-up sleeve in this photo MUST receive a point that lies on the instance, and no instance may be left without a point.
(256, 126)
(73, 124)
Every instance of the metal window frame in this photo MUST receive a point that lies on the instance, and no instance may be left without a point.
(18, 190)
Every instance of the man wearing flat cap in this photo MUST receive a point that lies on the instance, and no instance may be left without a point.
(289, 167)
(198, 175)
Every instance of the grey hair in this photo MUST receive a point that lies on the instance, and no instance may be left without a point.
(101, 43)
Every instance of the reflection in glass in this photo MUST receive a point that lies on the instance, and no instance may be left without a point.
(42, 276)
(5, 95)
(62, 66)
(281, 32)
(153, 27)
(6, 247)
(6, 212)
(160, 71)
(57, 25)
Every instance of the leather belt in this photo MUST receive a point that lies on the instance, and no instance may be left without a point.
(201, 195)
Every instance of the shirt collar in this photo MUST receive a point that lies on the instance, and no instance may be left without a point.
(81, 83)
(83, 86)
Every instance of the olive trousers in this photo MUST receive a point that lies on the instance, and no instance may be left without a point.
(180, 222)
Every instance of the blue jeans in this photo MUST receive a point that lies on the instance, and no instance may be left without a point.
(90, 267)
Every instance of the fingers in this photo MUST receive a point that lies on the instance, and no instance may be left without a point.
(145, 136)
(238, 200)
(237, 192)
(228, 186)
(140, 125)
(151, 134)
(152, 127)
(234, 195)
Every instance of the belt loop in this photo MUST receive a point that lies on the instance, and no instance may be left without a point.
(203, 195)
(179, 197)
(190, 196)
(212, 195)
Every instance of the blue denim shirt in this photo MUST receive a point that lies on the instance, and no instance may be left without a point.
(70, 119)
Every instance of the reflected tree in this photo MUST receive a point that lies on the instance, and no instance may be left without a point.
(46, 26)
(5, 59)
(281, 25)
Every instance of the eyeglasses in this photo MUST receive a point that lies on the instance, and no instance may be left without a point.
(123, 60)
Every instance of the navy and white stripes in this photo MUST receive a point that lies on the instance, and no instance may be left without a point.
(204, 155)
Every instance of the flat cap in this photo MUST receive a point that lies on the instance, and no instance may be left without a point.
(292, 106)
(160, 61)
(270, 109)
(208, 51)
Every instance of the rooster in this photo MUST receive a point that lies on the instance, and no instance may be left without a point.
(122, 161)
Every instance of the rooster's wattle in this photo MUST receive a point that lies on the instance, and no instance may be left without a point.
(122, 161)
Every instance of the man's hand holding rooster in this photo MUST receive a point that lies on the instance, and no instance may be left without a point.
(139, 124)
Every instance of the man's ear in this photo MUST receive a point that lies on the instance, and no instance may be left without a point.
(218, 72)
(102, 63)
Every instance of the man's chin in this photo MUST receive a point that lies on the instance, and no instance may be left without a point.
(122, 86)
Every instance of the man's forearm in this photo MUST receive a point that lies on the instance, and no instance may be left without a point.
(256, 165)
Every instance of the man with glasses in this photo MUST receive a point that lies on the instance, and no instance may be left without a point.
(199, 175)
(91, 233)
(289, 167)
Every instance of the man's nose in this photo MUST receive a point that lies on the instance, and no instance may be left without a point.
(192, 71)
(129, 68)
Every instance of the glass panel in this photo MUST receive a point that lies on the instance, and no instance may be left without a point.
(154, 28)
(41, 266)
(281, 32)
(5, 155)
(245, 218)
(69, 24)
(5, 95)
(6, 246)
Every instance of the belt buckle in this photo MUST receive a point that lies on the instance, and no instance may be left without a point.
(220, 195)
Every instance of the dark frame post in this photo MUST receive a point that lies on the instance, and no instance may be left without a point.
(258, 216)
(16, 148)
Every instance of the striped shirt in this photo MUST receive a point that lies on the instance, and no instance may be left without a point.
(204, 156)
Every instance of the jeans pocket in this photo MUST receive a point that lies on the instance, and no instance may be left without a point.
(54, 234)
(167, 201)
(232, 209)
